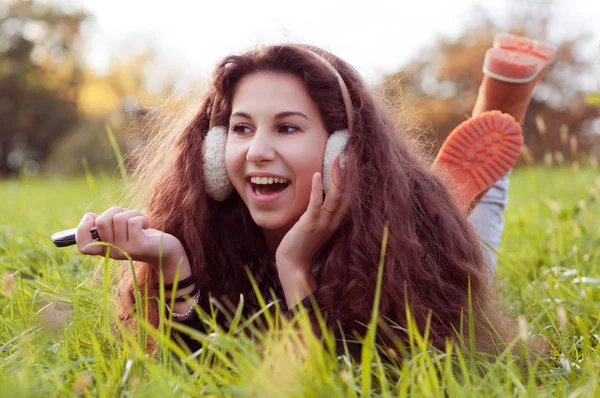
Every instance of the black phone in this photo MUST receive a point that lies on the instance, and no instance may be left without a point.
(67, 237)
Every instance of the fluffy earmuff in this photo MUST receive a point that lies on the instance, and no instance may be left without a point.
(216, 180)
(336, 145)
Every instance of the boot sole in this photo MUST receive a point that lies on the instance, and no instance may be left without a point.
(479, 152)
(517, 59)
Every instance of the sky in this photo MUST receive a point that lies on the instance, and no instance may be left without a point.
(375, 36)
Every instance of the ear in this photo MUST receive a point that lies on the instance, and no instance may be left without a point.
(216, 180)
(336, 146)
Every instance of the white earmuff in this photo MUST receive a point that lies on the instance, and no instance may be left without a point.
(336, 145)
(216, 180)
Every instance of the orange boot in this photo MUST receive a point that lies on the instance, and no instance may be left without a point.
(516, 59)
(472, 163)
(478, 153)
(511, 70)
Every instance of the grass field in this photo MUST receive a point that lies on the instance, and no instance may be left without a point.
(56, 340)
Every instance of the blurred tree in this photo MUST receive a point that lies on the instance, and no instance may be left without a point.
(441, 83)
(593, 99)
(121, 97)
(40, 75)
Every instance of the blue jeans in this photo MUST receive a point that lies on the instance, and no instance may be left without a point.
(488, 217)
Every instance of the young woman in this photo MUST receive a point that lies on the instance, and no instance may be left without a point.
(240, 185)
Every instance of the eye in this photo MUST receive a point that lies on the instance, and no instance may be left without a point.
(241, 129)
(288, 128)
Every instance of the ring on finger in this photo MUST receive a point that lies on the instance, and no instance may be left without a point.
(327, 210)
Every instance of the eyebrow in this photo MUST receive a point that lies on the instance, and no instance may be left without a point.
(277, 116)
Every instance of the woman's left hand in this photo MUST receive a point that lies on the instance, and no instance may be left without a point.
(321, 219)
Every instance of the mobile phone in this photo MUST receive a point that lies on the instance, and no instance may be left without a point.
(67, 237)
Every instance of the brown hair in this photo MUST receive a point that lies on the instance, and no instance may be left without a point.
(433, 254)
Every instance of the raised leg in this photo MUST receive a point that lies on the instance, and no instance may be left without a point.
(511, 69)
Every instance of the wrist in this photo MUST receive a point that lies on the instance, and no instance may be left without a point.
(175, 262)
(297, 282)
(285, 262)
(298, 274)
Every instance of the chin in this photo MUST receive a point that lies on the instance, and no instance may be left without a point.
(272, 222)
(268, 222)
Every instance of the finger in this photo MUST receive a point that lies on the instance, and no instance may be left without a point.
(316, 196)
(335, 176)
(83, 237)
(135, 228)
(348, 169)
(120, 226)
(104, 223)
(332, 204)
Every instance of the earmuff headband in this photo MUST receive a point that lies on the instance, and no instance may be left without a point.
(343, 87)
(342, 84)
(213, 112)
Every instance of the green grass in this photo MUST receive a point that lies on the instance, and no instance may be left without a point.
(56, 340)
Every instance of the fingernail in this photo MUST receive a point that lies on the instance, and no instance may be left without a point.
(85, 219)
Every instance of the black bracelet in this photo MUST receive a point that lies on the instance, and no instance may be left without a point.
(185, 297)
(187, 282)
(306, 303)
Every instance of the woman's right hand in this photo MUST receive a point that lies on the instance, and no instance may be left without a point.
(129, 230)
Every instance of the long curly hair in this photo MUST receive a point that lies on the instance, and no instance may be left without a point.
(433, 255)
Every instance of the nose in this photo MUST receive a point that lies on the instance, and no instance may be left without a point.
(261, 148)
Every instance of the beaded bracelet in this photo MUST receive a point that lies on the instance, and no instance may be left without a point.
(194, 303)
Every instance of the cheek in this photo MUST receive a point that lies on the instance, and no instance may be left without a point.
(234, 161)
(306, 166)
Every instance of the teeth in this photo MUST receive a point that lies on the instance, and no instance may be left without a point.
(268, 180)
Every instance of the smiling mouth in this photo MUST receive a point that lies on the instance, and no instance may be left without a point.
(266, 186)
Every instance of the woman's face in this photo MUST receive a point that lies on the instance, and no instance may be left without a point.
(275, 144)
